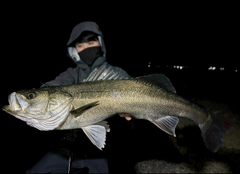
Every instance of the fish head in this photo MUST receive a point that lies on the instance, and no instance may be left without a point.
(44, 109)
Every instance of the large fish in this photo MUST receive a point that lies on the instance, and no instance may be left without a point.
(87, 105)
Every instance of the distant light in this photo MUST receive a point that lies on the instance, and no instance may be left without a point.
(221, 68)
(149, 64)
(236, 70)
(178, 67)
(212, 68)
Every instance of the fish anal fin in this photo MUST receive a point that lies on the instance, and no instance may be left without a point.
(167, 124)
(96, 134)
(77, 112)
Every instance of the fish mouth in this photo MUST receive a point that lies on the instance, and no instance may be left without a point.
(16, 104)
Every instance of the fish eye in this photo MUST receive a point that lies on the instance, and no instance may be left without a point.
(31, 95)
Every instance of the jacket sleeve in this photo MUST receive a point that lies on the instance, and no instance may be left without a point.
(110, 70)
(122, 72)
(67, 77)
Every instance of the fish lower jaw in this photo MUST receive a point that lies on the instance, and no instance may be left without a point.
(12, 108)
(10, 111)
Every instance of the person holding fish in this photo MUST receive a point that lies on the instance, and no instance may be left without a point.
(86, 48)
(81, 99)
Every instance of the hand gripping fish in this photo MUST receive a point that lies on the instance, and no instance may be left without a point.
(104, 94)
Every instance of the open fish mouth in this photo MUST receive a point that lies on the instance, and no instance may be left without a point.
(16, 103)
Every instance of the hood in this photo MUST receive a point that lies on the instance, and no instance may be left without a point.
(77, 31)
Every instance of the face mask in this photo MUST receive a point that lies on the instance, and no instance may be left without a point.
(89, 55)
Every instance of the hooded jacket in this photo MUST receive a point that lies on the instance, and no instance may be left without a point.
(82, 70)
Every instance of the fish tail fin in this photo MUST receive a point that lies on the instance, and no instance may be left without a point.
(213, 129)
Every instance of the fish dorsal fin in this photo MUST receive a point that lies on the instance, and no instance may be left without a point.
(167, 124)
(105, 72)
(96, 134)
(77, 112)
(159, 80)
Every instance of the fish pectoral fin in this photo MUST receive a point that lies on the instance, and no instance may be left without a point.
(77, 112)
(167, 124)
(104, 124)
(96, 134)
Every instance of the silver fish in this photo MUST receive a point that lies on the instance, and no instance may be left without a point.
(87, 105)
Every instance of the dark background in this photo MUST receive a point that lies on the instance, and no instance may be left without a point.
(33, 40)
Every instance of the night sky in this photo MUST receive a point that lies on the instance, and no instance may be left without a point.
(34, 38)
(196, 36)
